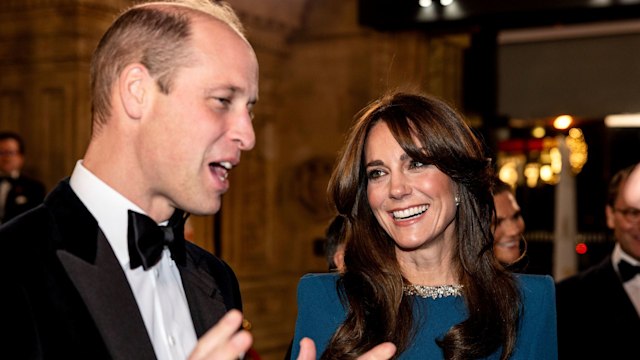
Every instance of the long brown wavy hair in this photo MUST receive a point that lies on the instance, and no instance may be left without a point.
(431, 132)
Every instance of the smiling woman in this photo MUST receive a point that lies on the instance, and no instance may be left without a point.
(414, 187)
(509, 244)
(414, 202)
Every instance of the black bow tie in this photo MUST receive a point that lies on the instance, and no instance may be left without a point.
(147, 239)
(627, 271)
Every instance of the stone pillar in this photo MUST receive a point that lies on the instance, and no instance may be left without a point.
(564, 255)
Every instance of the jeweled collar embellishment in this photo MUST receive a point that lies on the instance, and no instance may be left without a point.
(433, 292)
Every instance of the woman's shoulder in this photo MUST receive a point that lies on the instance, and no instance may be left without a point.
(534, 281)
(320, 277)
(535, 287)
(318, 282)
(319, 293)
(537, 337)
(320, 311)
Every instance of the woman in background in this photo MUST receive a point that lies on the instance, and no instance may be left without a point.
(509, 244)
(415, 189)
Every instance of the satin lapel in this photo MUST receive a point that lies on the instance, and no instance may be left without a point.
(206, 304)
(94, 270)
(614, 294)
(105, 291)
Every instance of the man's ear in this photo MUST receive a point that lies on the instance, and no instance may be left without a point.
(611, 222)
(133, 90)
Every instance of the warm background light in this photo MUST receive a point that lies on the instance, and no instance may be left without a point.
(538, 132)
(622, 121)
(531, 174)
(578, 150)
(562, 122)
(546, 174)
(509, 173)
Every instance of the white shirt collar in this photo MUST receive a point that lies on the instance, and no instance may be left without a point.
(619, 254)
(107, 206)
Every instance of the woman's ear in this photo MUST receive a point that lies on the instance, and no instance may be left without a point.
(132, 89)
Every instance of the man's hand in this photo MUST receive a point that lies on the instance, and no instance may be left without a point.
(383, 351)
(224, 341)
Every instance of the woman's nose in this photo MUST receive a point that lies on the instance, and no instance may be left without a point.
(399, 187)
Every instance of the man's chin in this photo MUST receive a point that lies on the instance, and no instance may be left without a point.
(205, 209)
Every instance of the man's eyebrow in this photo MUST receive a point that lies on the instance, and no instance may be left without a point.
(232, 89)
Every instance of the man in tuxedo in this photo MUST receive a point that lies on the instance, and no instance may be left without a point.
(100, 270)
(632, 191)
(18, 192)
(86, 275)
(598, 309)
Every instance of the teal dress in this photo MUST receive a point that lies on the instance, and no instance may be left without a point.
(320, 312)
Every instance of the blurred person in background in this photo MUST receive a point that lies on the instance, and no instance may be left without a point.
(508, 234)
(598, 308)
(632, 190)
(18, 192)
(335, 243)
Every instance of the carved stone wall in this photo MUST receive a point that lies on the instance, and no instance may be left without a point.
(45, 47)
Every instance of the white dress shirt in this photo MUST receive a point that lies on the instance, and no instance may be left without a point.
(632, 287)
(158, 290)
(5, 188)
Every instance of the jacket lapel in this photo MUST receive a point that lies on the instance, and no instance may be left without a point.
(203, 295)
(612, 291)
(94, 270)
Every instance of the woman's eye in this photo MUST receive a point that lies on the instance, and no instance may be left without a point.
(224, 101)
(374, 174)
(415, 164)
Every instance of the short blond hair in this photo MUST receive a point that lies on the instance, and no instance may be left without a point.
(156, 34)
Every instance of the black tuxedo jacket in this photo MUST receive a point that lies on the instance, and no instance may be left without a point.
(596, 319)
(66, 297)
(25, 194)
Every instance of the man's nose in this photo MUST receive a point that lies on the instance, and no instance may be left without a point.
(243, 132)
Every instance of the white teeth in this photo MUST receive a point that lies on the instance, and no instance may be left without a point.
(223, 169)
(507, 244)
(410, 212)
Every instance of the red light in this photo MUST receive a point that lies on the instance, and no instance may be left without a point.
(581, 248)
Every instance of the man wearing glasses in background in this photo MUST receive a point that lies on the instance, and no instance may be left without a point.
(18, 193)
(598, 309)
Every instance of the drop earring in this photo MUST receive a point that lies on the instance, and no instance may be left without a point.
(457, 199)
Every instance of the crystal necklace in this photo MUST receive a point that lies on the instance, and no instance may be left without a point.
(433, 292)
